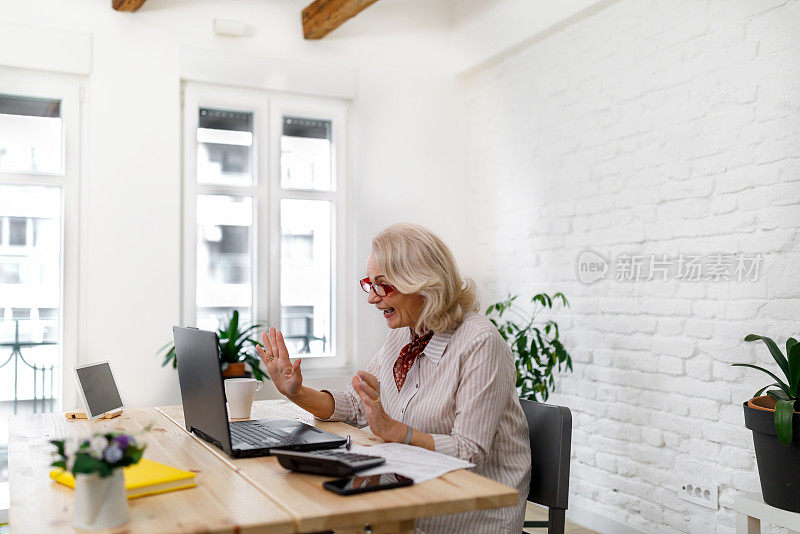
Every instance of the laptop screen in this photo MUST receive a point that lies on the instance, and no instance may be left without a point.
(202, 390)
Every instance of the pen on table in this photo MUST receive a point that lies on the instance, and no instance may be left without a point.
(347, 443)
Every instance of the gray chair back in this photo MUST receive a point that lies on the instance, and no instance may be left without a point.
(550, 429)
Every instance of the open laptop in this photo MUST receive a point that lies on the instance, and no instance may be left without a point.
(205, 414)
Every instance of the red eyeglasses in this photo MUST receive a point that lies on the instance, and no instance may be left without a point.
(380, 289)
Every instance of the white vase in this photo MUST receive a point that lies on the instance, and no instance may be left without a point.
(100, 502)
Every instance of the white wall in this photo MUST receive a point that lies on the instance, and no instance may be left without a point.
(404, 152)
(482, 30)
(649, 127)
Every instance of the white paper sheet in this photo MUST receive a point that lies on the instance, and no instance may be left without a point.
(414, 462)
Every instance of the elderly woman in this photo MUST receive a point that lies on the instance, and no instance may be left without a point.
(443, 380)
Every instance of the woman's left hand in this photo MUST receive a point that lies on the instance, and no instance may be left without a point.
(369, 389)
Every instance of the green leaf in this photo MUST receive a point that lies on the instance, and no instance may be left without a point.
(522, 344)
(503, 333)
(777, 355)
(794, 369)
(778, 394)
(249, 329)
(791, 342)
(246, 340)
(170, 357)
(784, 411)
(781, 383)
(59, 445)
(87, 464)
(534, 352)
(538, 354)
(554, 326)
(760, 391)
(136, 454)
(233, 328)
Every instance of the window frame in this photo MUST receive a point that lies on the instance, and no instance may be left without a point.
(268, 108)
(69, 89)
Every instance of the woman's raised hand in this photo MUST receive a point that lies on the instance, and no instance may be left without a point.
(369, 389)
(284, 374)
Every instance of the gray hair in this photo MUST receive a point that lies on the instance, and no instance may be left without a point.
(415, 260)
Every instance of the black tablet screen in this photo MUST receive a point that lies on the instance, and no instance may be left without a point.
(99, 388)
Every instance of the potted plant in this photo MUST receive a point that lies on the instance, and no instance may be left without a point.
(100, 497)
(236, 348)
(775, 421)
(537, 348)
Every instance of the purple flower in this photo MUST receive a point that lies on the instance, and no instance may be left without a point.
(112, 454)
(122, 441)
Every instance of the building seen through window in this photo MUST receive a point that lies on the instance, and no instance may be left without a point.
(232, 210)
(306, 233)
(31, 260)
(224, 259)
(30, 135)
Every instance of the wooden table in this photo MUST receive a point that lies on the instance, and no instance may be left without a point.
(751, 510)
(223, 501)
(232, 494)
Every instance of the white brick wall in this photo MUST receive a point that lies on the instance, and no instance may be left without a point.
(651, 127)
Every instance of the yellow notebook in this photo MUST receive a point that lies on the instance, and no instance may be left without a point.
(145, 478)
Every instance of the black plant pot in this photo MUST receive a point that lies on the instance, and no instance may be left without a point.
(778, 465)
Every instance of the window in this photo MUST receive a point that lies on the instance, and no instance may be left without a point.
(224, 258)
(20, 313)
(17, 231)
(48, 313)
(39, 161)
(9, 273)
(306, 154)
(30, 135)
(224, 147)
(306, 268)
(264, 216)
(30, 278)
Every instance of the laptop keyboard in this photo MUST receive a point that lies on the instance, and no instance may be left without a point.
(255, 435)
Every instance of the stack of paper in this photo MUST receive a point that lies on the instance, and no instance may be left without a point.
(414, 462)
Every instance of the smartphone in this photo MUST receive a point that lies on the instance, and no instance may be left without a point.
(351, 485)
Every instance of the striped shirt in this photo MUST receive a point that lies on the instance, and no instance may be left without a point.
(462, 391)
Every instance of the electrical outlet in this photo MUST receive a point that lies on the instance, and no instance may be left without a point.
(703, 495)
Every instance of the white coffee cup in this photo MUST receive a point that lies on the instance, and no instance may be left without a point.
(240, 393)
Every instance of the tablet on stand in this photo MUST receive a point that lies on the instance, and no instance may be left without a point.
(99, 392)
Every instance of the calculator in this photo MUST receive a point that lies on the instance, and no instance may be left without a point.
(326, 462)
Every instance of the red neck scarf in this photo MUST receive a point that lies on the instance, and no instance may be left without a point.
(408, 355)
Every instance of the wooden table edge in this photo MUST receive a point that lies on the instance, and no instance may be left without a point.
(400, 514)
(287, 526)
(221, 456)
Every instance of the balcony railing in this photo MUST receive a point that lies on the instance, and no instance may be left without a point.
(42, 374)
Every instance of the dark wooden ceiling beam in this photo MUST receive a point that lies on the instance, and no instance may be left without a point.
(127, 5)
(323, 16)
